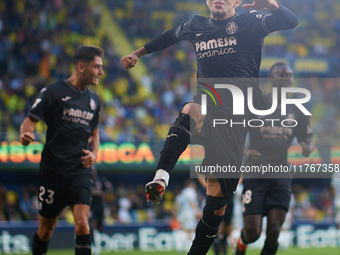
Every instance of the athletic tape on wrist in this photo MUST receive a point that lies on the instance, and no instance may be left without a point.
(162, 174)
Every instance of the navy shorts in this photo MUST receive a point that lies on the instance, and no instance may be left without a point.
(223, 146)
(261, 195)
(57, 191)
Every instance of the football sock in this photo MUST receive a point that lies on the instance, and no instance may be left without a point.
(269, 249)
(39, 247)
(242, 243)
(207, 227)
(176, 142)
(83, 245)
(204, 238)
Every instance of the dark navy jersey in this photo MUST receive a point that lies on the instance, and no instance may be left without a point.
(272, 140)
(228, 52)
(229, 48)
(70, 115)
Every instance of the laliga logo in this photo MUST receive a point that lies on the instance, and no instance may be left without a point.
(238, 100)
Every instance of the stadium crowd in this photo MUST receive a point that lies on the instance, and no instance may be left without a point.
(316, 35)
(126, 203)
(37, 38)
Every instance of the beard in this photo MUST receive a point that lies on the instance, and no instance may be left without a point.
(219, 14)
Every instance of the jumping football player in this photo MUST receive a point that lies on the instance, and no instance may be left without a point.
(227, 45)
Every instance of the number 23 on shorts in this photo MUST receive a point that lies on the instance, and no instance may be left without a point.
(50, 193)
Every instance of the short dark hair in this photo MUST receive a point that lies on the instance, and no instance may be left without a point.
(275, 65)
(86, 53)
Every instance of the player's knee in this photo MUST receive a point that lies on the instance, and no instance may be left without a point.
(252, 233)
(45, 236)
(214, 210)
(194, 111)
(46, 232)
(82, 227)
(220, 212)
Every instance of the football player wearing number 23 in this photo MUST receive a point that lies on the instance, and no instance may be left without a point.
(71, 113)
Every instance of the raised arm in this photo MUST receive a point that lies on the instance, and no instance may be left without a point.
(281, 19)
(271, 5)
(26, 135)
(130, 61)
(160, 42)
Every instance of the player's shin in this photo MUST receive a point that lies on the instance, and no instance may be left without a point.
(204, 237)
(269, 249)
(39, 247)
(207, 227)
(83, 245)
(176, 142)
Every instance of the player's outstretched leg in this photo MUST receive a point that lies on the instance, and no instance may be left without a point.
(207, 227)
(155, 189)
(176, 142)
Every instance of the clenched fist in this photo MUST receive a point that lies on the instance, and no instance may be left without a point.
(26, 138)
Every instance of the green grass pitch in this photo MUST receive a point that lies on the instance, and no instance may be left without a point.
(290, 251)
